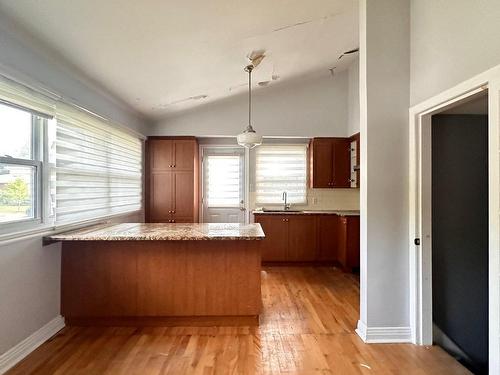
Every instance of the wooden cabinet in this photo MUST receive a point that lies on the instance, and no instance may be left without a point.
(310, 238)
(301, 238)
(327, 237)
(289, 238)
(329, 163)
(172, 179)
(348, 242)
(274, 247)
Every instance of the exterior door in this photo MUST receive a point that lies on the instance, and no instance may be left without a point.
(223, 199)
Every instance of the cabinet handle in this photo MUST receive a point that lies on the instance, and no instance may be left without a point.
(173, 221)
(173, 165)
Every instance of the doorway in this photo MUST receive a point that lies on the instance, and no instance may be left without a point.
(223, 185)
(421, 215)
(459, 199)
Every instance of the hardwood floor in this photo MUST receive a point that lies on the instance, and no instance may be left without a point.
(306, 328)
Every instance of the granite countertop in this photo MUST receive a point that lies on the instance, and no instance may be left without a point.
(309, 212)
(163, 232)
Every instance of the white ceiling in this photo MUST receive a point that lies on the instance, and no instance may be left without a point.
(154, 54)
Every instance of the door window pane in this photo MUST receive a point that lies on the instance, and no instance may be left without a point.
(17, 125)
(223, 180)
(17, 184)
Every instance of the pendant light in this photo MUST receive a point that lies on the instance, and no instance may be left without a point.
(249, 138)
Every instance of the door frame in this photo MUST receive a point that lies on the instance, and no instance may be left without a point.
(420, 205)
(246, 189)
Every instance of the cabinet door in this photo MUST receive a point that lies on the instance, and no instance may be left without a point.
(161, 198)
(184, 155)
(322, 163)
(183, 195)
(341, 163)
(348, 245)
(301, 238)
(161, 154)
(274, 246)
(327, 237)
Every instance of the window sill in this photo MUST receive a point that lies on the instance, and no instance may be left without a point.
(47, 230)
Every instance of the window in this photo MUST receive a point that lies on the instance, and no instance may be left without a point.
(281, 168)
(98, 168)
(21, 159)
(223, 180)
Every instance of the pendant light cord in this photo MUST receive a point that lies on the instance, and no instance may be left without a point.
(249, 69)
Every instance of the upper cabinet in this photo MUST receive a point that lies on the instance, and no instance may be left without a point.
(330, 163)
(172, 179)
(172, 154)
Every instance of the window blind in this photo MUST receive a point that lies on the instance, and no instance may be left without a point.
(281, 168)
(222, 179)
(14, 93)
(98, 168)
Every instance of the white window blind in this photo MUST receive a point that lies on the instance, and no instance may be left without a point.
(26, 98)
(281, 168)
(98, 168)
(222, 179)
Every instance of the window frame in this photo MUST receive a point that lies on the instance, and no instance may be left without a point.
(278, 144)
(38, 154)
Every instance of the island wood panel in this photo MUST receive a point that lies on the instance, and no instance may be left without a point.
(98, 277)
(145, 279)
(180, 278)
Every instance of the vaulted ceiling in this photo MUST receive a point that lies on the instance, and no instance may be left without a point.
(163, 56)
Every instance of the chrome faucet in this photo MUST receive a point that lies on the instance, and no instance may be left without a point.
(285, 197)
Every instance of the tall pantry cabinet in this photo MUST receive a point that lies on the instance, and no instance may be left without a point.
(172, 180)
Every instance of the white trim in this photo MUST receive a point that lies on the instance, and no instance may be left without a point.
(419, 215)
(383, 335)
(16, 354)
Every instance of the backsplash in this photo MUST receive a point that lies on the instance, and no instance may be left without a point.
(322, 199)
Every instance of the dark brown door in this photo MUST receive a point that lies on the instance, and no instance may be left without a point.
(274, 246)
(322, 163)
(161, 154)
(161, 199)
(183, 195)
(341, 163)
(184, 155)
(327, 237)
(301, 238)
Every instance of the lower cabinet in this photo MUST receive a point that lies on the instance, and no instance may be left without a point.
(275, 245)
(310, 238)
(348, 242)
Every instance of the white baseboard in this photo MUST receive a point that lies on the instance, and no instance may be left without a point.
(383, 335)
(13, 356)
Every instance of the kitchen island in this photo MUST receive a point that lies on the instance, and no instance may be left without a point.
(136, 274)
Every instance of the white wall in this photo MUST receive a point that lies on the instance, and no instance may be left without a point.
(30, 273)
(29, 61)
(305, 108)
(384, 88)
(353, 98)
(451, 41)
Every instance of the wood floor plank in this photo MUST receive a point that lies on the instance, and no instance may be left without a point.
(307, 327)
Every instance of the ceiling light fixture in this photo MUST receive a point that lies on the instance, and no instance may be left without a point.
(249, 138)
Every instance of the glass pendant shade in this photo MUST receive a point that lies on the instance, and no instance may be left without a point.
(249, 138)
